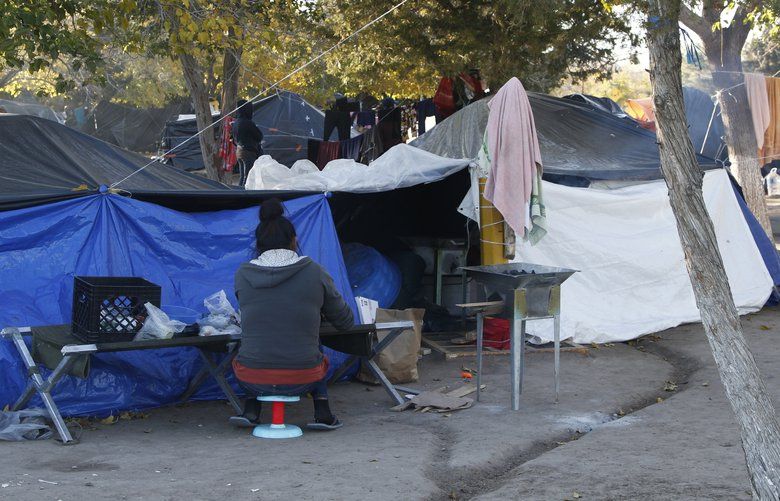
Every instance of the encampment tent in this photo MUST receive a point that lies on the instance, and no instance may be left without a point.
(41, 160)
(134, 129)
(633, 279)
(31, 109)
(177, 230)
(286, 119)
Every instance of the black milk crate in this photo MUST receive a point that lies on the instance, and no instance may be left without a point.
(107, 309)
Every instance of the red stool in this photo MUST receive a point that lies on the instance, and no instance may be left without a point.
(277, 428)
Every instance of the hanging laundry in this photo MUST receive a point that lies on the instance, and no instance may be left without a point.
(351, 148)
(313, 150)
(444, 99)
(366, 118)
(371, 146)
(336, 119)
(515, 157)
(389, 127)
(758, 99)
(227, 149)
(424, 109)
(329, 150)
(771, 150)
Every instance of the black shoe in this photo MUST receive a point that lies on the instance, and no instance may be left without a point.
(334, 424)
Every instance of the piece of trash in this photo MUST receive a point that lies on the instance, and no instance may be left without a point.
(621, 412)
(659, 400)
(373, 461)
(228, 485)
(148, 430)
(560, 443)
(306, 462)
(94, 474)
(576, 495)
(595, 346)
(200, 426)
(89, 484)
(47, 482)
(157, 471)
(705, 384)
(765, 328)
(466, 375)
(4, 485)
(670, 386)
(446, 415)
(109, 420)
(254, 490)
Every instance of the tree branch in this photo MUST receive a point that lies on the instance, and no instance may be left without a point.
(695, 22)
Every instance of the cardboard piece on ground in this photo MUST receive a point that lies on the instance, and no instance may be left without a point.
(399, 359)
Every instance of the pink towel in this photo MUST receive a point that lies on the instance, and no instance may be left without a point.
(758, 99)
(514, 155)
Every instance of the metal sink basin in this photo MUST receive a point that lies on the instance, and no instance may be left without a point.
(512, 276)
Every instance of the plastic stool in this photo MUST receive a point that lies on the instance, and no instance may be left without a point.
(277, 428)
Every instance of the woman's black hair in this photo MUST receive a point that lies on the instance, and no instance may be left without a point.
(274, 231)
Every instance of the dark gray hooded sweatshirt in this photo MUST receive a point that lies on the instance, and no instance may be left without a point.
(281, 309)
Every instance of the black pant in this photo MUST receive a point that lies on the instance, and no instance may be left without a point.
(246, 159)
(336, 119)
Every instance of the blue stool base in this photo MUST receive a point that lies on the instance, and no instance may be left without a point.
(277, 431)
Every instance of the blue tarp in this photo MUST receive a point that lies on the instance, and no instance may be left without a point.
(189, 255)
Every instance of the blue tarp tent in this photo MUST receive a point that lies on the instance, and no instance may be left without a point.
(190, 255)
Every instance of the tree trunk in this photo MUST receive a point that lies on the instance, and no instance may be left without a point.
(230, 74)
(742, 381)
(194, 78)
(740, 136)
(723, 47)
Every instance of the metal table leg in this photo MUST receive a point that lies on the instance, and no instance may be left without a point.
(386, 384)
(557, 355)
(344, 368)
(43, 387)
(517, 342)
(480, 334)
(217, 371)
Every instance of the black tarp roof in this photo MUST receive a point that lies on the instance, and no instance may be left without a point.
(42, 161)
(134, 129)
(285, 118)
(576, 140)
(599, 103)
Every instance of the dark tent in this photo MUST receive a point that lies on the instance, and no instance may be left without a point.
(43, 161)
(285, 118)
(133, 129)
(598, 103)
(35, 110)
(577, 141)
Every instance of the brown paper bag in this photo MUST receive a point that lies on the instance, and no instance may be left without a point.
(399, 359)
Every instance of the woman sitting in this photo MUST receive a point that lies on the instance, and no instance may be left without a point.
(282, 297)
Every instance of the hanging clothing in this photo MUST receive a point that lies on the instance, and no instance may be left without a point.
(758, 99)
(351, 148)
(227, 149)
(771, 150)
(389, 128)
(424, 109)
(335, 119)
(366, 118)
(329, 150)
(313, 150)
(514, 153)
(444, 99)
(371, 146)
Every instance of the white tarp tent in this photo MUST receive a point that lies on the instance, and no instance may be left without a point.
(401, 166)
(633, 279)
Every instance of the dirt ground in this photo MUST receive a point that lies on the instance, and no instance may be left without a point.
(607, 438)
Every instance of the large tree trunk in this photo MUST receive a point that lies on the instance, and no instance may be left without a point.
(742, 381)
(230, 74)
(194, 79)
(723, 48)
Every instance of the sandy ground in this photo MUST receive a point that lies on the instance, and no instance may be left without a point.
(617, 433)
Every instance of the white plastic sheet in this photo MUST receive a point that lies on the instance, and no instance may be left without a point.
(633, 279)
(401, 166)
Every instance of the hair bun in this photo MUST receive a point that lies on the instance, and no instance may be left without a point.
(271, 209)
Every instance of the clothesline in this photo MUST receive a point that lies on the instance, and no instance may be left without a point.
(275, 85)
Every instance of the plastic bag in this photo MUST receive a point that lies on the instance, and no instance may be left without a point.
(158, 325)
(29, 424)
(222, 318)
